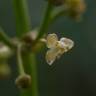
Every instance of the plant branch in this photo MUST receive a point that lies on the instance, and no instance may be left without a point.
(49, 18)
(19, 59)
(5, 38)
(31, 67)
(23, 26)
(22, 17)
(44, 26)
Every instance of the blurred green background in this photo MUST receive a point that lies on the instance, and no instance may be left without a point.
(74, 74)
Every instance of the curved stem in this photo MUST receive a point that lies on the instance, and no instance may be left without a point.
(49, 18)
(44, 26)
(5, 38)
(19, 59)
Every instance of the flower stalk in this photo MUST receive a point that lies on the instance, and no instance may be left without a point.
(23, 26)
(23, 81)
(19, 59)
(5, 38)
(49, 18)
(44, 25)
(22, 17)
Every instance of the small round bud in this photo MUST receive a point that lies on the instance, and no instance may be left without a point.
(5, 51)
(23, 81)
(76, 8)
(30, 36)
(29, 41)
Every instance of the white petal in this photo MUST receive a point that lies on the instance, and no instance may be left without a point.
(51, 56)
(52, 40)
(67, 42)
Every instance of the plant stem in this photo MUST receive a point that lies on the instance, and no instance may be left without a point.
(23, 26)
(44, 26)
(19, 59)
(5, 38)
(49, 18)
(22, 17)
(31, 67)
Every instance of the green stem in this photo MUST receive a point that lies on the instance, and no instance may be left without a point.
(49, 18)
(19, 59)
(23, 26)
(44, 26)
(5, 38)
(30, 65)
(22, 17)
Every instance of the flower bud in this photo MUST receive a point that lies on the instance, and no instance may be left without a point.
(30, 36)
(5, 51)
(29, 40)
(23, 81)
(76, 8)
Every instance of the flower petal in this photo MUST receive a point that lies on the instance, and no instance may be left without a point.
(51, 56)
(67, 42)
(52, 40)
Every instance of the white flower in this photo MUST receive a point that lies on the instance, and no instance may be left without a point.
(57, 47)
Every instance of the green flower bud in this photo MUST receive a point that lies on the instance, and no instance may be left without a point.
(23, 81)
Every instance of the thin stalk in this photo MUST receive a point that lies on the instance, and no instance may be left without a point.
(31, 67)
(5, 38)
(23, 26)
(49, 18)
(44, 26)
(19, 59)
